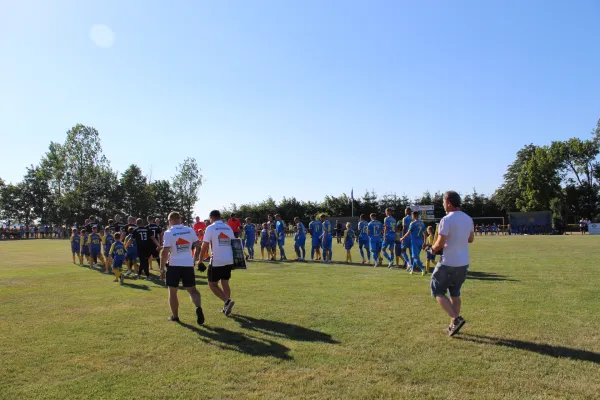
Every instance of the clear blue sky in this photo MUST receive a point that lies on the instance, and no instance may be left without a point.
(445, 91)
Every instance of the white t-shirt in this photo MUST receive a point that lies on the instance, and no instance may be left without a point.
(179, 239)
(457, 227)
(219, 236)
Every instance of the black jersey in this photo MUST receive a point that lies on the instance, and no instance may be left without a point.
(141, 235)
(155, 230)
(119, 227)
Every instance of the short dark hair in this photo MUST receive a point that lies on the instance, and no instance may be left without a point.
(415, 214)
(215, 214)
(452, 197)
(362, 217)
(117, 236)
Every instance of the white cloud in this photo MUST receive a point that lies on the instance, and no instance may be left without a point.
(102, 36)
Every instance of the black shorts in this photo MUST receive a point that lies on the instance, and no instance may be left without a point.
(216, 274)
(185, 275)
(154, 253)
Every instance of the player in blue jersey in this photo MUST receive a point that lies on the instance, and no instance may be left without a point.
(316, 230)
(264, 241)
(300, 239)
(280, 228)
(416, 232)
(95, 242)
(249, 233)
(85, 247)
(398, 247)
(107, 240)
(406, 245)
(389, 227)
(363, 239)
(117, 254)
(272, 242)
(76, 246)
(349, 242)
(375, 230)
(327, 239)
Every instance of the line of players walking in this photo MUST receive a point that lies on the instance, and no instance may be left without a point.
(399, 243)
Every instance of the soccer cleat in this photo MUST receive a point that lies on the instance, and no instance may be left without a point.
(129, 272)
(200, 316)
(173, 319)
(391, 264)
(229, 306)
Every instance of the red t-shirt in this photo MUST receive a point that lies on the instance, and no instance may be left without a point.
(234, 224)
(198, 226)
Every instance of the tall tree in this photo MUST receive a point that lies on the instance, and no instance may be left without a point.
(164, 198)
(37, 193)
(509, 192)
(136, 195)
(539, 181)
(186, 184)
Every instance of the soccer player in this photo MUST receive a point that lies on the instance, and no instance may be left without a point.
(280, 227)
(249, 232)
(95, 243)
(85, 247)
(389, 228)
(144, 242)
(326, 239)
(374, 231)
(349, 242)
(272, 242)
(429, 242)
(300, 239)
(131, 253)
(406, 244)
(155, 232)
(76, 246)
(117, 253)
(416, 232)
(315, 228)
(363, 238)
(264, 241)
(119, 227)
(107, 240)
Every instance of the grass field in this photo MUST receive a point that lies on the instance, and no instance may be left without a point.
(306, 331)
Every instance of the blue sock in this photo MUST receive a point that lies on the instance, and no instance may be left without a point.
(303, 252)
(405, 258)
(362, 253)
(282, 252)
(368, 255)
(312, 253)
(297, 251)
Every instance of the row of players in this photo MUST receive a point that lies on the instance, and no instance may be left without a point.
(403, 241)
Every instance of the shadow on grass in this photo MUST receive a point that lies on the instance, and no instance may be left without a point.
(133, 286)
(488, 276)
(236, 341)
(282, 329)
(540, 348)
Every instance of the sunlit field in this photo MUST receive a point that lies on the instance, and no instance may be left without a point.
(306, 330)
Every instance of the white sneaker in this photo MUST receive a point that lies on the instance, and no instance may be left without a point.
(391, 264)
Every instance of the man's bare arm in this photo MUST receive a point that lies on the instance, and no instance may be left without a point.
(204, 250)
(471, 237)
(439, 244)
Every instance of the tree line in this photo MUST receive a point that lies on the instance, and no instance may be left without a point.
(74, 180)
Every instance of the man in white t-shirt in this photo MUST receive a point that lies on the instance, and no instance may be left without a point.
(218, 237)
(454, 235)
(176, 257)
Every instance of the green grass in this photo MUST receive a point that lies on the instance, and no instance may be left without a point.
(306, 331)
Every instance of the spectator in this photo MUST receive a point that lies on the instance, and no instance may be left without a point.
(235, 224)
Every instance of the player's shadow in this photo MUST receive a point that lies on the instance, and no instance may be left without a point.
(488, 276)
(133, 286)
(282, 330)
(540, 348)
(240, 342)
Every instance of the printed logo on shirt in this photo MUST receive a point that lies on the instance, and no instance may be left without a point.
(182, 245)
(224, 240)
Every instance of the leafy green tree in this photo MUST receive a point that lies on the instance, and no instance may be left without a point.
(186, 185)
(539, 181)
(135, 193)
(509, 192)
(164, 198)
(37, 194)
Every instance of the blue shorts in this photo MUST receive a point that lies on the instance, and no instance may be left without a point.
(95, 251)
(316, 241)
(398, 247)
(249, 242)
(272, 244)
(389, 242)
(363, 242)
(301, 241)
(118, 263)
(131, 254)
(85, 251)
(281, 241)
(106, 251)
(446, 279)
(327, 241)
(348, 245)
(430, 256)
(416, 248)
(406, 243)
(375, 244)
(75, 249)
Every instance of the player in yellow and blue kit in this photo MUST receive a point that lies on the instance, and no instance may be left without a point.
(107, 241)
(389, 227)
(374, 230)
(95, 242)
(416, 232)
(326, 239)
(406, 244)
(363, 238)
(249, 234)
(316, 229)
(76, 246)
(300, 239)
(117, 253)
(349, 242)
(85, 247)
(429, 242)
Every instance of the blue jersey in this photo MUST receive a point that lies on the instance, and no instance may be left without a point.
(280, 228)
(390, 225)
(95, 240)
(249, 231)
(327, 227)
(75, 240)
(272, 238)
(374, 229)
(264, 236)
(406, 224)
(363, 230)
(118, 251)
(417, 229)
(350, 236)
(108, 241)
(301, 232)
(315, 228)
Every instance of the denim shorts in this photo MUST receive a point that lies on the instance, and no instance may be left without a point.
(445, 278)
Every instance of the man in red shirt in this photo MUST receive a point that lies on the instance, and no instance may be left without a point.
(235, 225)
(199, 225)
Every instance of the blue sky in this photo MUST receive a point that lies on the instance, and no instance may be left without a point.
(404, 96)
